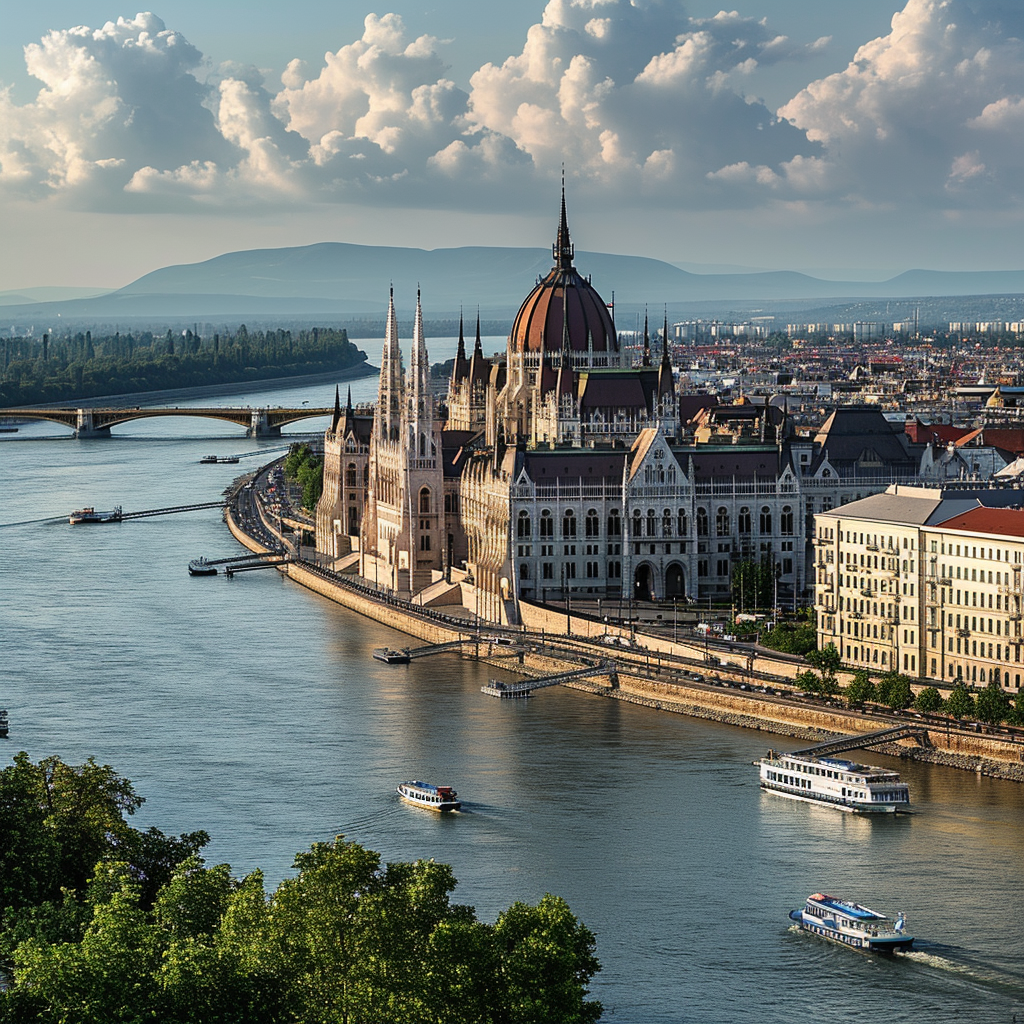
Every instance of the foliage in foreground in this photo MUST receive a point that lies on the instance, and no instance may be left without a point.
(346, 939)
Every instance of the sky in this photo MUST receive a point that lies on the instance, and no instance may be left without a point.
(839, 137)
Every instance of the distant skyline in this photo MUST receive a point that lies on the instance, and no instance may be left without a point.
(826, 136)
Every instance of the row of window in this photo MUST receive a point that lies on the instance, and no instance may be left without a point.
(669, 524)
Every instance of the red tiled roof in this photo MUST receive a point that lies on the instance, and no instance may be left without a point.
(1004, 522)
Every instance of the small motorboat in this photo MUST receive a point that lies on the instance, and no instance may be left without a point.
(90, 515)
(435, 798)
(201, 567)
(5, 725)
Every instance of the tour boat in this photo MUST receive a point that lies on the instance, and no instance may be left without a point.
(391, 656)
(5, 725)
(853, 925)
(201, 567)
(860, 788)
(208, 459)
(422, 794)
(90, 515)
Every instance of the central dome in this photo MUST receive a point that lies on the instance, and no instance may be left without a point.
(564, 309)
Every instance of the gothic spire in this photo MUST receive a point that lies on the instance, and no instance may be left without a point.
(349, 411)
(337, 408)
(647, 342)
(562, 250)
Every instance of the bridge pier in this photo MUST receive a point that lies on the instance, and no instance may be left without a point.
(84, 425)
(260, 426)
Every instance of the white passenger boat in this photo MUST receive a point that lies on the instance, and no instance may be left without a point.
(853, 925)
(850, 786)
(422, 794)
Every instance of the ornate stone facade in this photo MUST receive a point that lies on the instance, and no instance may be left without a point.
(563, 469)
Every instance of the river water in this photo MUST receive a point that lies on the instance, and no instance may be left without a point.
(253, 709)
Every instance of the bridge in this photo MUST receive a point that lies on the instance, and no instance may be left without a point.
(96, 422)
(870, 739)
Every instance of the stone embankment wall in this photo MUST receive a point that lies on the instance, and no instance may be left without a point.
(987, 755)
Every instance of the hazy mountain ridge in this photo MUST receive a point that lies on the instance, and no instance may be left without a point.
(341, 279)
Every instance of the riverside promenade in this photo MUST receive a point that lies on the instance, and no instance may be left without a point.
(744, 688)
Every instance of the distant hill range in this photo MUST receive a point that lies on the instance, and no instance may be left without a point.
(339, 280)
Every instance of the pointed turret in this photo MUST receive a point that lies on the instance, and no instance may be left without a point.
(420, 407)
(336, 419)
(461, 368)
(478, 366)
(389, 392)
(349, 410)
(647, 343)
(666, 383)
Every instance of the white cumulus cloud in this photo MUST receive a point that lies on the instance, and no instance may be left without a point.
(930, 113)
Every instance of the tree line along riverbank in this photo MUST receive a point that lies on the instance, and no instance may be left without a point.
(60, 369)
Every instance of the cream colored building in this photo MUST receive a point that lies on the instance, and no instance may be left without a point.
(926, 582)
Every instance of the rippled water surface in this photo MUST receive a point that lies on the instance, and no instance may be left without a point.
(253, 709)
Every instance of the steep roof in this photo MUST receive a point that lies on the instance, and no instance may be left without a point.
(861, 434)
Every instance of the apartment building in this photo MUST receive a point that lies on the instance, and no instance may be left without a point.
(924, 581)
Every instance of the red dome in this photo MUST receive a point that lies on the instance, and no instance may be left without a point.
(540, 323)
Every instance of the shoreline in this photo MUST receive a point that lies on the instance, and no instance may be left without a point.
(144, 399)
(640, 676)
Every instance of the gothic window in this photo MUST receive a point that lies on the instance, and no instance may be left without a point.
(651, 528)
(702, 522)
(666, 523)
(682, 524)
(425, 501)
(722, 522)
(766, 519)
(638, 524)
(425, 542)
(423, 446)
(547, 524)
(614, 523)
(350, 475)
(523, 525)
(549, 570)
(448, 503)
(593, 525)
(524, 570)
(743, 520)
(569, 523)
(786, 521)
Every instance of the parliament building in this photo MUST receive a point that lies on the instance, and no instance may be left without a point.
(565, 468)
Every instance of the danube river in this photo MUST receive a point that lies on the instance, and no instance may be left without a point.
(252, 709)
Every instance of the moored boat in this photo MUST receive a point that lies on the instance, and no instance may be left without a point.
(208, 460)
(850, 924)
(391, 655)
(201, 567)
(90, 515)
(5, 725)
(436, 798)
(860, 788)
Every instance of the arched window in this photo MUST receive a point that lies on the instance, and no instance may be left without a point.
(766, 519)
(614, 523)
(743, 520)
(425, 501)
(682, 525)
(722, 522)
(569, 524)
(448, 503)
(350, 475)
(547, 524)
(786, 521)
(666, 523)
(593, 524)
(702, 521)
(638, 525)
(523, 530)
(651, 526)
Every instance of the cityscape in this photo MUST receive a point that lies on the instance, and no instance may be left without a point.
(690, 582)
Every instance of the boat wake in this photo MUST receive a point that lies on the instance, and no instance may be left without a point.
(37, 522)
(958, 962)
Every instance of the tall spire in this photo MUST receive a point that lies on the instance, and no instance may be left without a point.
(389, 391)
(461, 367)
(337, 408)
(349, 411)
(647, 342)
(562, 250)
(666, 382)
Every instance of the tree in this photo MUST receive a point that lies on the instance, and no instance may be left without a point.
(827, 661)
(860, 690)
(992, 705)
(960, 702)
(808, 682)
(547, 961)
(894, 690)
(928, 700)
(1016, 716)
(754, 583)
